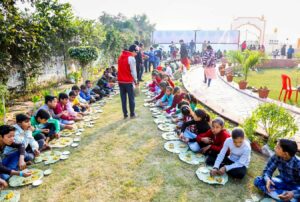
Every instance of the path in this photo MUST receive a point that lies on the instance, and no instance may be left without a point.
(223, 98)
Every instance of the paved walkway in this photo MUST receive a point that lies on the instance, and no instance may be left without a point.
(223, 98)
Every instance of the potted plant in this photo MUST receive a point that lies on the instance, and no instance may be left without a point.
(263, 92)
(250, 130)
(275, 121)
(247, 61)
(229, 77)
(222, 72)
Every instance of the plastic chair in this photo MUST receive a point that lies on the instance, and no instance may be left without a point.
(287, 86)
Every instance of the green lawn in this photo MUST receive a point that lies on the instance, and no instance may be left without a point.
(272, 79)
(124, 160)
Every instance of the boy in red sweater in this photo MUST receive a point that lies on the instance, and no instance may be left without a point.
(211, 142)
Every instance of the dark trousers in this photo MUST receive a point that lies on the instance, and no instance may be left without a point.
(140, 73)
(146, 66)
(127, 89)
(42, 136)
(237, 173)
(153, 65)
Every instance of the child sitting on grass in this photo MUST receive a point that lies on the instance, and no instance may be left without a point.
(211, 142)
(163, 87)
(286, 186)
(84, 94)
(236, 164)
(61, 110)
(178, 97)
(192, 100)
(201, 123)
(46, 128)
(70, 107)
(49, 106)
(23, 135)
(14, 161)
(80, 103)
(167, 99)
(166, 78)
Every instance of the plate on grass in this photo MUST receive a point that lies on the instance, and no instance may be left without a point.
(37, 183)
(167, 127)
(77, 139)
(49, 157)
(176, 146)
(205, 177)
(170, 136)
(192, 158)
(10, 196)
(61, 142)
(17, 181)
(47, 172)
(74, 145)
(64, 157)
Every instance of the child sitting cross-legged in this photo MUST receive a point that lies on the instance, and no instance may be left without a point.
(167, 99)
(23, 135)
(201, 123)
(62, 112)
(211, 142)
(85, 94)
(178, 97)
(286, 186)
(236, 164)
(46, 128)
(70, 107)
(163, 87)
(14, 161)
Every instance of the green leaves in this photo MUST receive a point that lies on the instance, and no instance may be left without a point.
(84, 54)
(275, 120)
(247, 60)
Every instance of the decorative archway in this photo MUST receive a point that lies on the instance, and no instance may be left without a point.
(256, 22)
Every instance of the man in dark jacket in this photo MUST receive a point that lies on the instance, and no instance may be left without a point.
(184, 54)
(139, 62)
(127, 77)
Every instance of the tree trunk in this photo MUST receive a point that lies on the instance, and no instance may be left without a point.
(4, 109)
(84, 73)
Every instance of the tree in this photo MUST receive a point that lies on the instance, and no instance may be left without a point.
(84, 55)
(58, 23)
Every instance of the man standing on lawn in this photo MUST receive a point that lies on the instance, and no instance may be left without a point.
(127, 78)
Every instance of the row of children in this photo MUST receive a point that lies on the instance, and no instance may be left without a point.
(226, 153)
(30, 135)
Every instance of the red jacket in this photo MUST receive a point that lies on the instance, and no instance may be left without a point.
(124, 72)
(176, 100)
(59, 109)
(218, 140)
(162, 93)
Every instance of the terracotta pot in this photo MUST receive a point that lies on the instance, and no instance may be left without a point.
(229, 77)
(256, 147)
(263, 93)
(243, 85)
(222, 72)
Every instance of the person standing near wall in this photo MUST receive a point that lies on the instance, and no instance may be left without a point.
(283, 51)
(290, 52)
(127, 77)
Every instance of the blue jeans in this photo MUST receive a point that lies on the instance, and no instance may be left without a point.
(127, 89)
(280, 187)
(194, 146)
(10, 161)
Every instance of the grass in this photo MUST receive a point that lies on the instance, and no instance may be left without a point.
(124, 160)
(272, 79)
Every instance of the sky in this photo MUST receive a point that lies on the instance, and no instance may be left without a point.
(201, 14)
